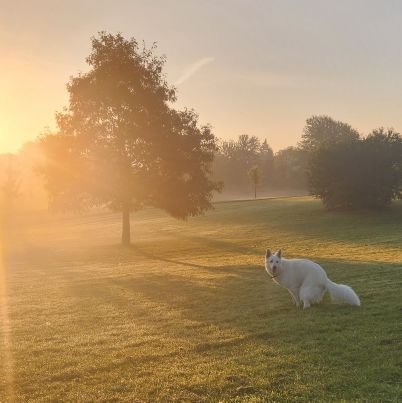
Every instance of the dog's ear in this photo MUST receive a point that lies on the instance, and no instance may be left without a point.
(279, 253)
(268, 253)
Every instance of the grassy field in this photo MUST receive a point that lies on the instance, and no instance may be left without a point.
(188, 313)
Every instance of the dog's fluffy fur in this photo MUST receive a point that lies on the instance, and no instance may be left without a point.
(306, 281)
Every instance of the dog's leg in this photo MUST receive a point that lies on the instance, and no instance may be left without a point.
(295, 297)
(305, 296)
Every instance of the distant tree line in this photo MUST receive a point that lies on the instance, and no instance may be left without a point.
(247, 164)
(333, 161)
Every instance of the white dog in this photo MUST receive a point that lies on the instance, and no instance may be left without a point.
(306, 281)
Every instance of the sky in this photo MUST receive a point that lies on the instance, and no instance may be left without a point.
(260, 67)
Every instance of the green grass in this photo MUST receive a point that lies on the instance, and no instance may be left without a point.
(188, 313)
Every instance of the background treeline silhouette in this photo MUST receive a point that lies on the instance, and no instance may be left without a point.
(333, 161)
(282, 171)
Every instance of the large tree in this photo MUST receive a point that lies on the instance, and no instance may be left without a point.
(120, 142)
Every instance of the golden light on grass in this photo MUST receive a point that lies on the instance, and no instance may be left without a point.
(7, 361)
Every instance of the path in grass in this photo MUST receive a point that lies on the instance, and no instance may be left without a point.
(188, 314)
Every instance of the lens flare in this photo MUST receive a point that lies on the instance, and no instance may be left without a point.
(7, 361)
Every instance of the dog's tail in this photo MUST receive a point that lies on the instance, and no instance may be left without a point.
(342, 293)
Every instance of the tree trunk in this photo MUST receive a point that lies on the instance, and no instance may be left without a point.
(126, 236)
(255, 191)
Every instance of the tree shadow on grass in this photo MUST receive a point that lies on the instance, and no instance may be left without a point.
(230, 268)
(154, 256)
(214, 244)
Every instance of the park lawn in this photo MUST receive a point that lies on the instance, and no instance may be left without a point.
(188, 313)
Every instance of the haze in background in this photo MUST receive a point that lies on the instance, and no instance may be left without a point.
(256, 67)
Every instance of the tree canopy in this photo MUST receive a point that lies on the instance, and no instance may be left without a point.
(322, 131)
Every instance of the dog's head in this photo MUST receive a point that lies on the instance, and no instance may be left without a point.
(273, 262)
